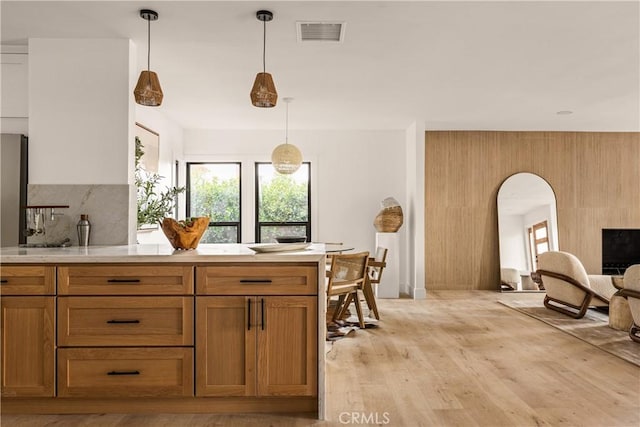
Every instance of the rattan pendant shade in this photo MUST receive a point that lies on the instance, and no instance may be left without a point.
(286, 158)
(263, 93)
(148, 91)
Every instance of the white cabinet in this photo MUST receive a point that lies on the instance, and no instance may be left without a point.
(15, 85)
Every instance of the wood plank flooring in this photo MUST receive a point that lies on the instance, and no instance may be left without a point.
(457, 358)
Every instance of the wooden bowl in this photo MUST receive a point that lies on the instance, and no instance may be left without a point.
(184, 234)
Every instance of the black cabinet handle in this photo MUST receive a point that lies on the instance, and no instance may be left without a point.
(123, 373)
(123, 280)
(114, 321)
(255, 280)
(249, 314)
(262, 312)
(4, 281)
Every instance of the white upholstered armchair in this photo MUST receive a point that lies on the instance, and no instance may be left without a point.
(510, 279)
(631, 283)
(570, 290)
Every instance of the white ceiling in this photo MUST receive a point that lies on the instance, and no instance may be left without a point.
(453, 65)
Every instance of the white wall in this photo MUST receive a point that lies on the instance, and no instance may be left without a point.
(414, 212)
(81, 127)
(81, 118)
(352, 172)
(80, 111)
(171, 149)
(171, 138)
(513, 244)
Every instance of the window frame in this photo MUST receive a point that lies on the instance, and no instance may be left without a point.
(176, 170)
(259, 225)
(238, 224)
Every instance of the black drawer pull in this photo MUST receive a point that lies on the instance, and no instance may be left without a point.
(122, 321)
(123, 373)
(249, 314)
(123, 280)
(255, 280)
(262, 312)
(4, 281)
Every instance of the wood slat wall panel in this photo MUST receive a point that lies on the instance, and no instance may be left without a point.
(595, 175)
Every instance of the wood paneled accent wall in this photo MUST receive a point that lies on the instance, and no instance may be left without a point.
(595, 176)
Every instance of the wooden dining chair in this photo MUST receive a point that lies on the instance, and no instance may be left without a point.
(347, 275)
(375, 268)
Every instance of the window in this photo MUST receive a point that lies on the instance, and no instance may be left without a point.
(175, 184)
(283, 203)
(213, 190)
(538, 241)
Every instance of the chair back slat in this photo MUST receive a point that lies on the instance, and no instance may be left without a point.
(348, 269)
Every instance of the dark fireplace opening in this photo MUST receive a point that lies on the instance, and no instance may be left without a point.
(620, 249)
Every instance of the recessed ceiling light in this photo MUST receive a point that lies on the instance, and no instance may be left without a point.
(564, 112)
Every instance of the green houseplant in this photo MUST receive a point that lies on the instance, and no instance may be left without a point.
(153, 205)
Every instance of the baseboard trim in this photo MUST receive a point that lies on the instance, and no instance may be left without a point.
(418, 293)
(158, 405)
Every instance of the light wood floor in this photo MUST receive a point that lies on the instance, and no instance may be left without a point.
(457, 358)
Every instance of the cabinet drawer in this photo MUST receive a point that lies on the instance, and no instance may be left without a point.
(257, 279)
(27, 280)
(125, 280)
(125, 321)
(121, 372)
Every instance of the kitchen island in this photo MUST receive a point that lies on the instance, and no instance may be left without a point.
(145, 328)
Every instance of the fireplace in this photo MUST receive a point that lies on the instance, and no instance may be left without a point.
(620, 249)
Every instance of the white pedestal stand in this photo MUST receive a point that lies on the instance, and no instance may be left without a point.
(389, 286)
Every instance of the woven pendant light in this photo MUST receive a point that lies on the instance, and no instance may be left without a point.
(286, 158)
(148, 91)
(263, 93)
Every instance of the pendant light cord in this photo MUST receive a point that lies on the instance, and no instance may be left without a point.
(148, 44)
(286, 128)
(264, 46)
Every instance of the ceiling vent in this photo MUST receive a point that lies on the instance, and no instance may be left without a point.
(320, 31)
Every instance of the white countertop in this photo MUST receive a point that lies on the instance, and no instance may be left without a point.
(156, 253)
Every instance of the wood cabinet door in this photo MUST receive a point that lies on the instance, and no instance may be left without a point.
(287, 346)
(28, 346)
(226, 346)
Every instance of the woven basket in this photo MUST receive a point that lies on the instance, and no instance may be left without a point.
(184, 236)
(389, 220)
